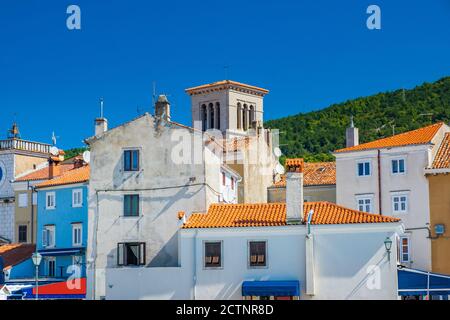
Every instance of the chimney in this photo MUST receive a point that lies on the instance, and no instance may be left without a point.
(294, 191)
(351, 135)
(54, 169)
(162, 108)
(101, 125)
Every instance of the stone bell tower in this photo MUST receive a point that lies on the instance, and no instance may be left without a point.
(228, 106)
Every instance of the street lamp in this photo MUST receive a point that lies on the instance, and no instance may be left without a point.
(388, 246)
(37, 258)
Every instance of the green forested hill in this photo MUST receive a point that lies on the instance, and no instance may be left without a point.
(314, 135)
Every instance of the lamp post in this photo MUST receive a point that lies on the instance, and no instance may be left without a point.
(37, 258)
(388, 246)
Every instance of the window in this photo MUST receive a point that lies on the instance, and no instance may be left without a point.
(77, 198)
(51, 267)
(131, 205)
(23, 233)
(364, 168)
(77, 233)
(131, 254)
(224, 179)
(404, 250)
(131, 160)
(50, 202)
(400, 203)
(232, 183)
(23, 200)
(257, 253)
(398, 166)
(48, 236)
(364, 204)
(213, 254)
(34, 199)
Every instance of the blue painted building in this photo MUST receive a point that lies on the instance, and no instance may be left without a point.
(62, 224)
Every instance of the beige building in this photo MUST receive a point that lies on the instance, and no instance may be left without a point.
(16, 157)
(439, 184)
(319, 184)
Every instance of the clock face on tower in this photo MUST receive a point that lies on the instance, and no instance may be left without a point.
(2, 173)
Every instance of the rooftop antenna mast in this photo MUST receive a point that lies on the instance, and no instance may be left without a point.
(101, 108)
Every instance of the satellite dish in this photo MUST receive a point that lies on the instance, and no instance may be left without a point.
(277, 152)
(54, 151)
(279, 169)
(87, 156)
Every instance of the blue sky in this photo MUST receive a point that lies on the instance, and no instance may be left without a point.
(309, 54)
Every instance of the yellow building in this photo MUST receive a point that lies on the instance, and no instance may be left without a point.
(439, 185)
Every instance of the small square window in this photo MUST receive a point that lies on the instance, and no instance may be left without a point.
(213, 254)
(131, 205)
(77, 234)
(131, 160)
(131, 254)
(77, 198)
(23, 200)
(400, 203)
(398, 166)
(258, 253)
(364, 169)
(50, 202)
(23, 232)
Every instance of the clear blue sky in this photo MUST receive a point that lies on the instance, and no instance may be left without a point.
(309, 54)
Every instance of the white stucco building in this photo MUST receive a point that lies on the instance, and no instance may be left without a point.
(316, 250)
(387, 177)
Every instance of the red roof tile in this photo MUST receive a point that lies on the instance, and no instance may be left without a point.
(78, 175)
(415, 137)
(314, 174)
(274, 214)
(44, 173)
(442, 158)
(15, 253)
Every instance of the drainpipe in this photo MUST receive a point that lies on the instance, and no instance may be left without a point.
(379, 182)
(309, 257)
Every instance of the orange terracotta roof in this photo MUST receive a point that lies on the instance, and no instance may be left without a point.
(78, 175)
(415, 137)
(442, 158)
(274, 214)
(314, 174)
(44, 173)
(15, 253)
(225, 82)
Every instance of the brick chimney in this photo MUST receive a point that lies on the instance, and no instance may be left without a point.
(294, 191)
(54, 168)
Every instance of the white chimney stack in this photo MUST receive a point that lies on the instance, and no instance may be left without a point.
(351, 135)
(294, 191)
(101, 124)
(162, 108)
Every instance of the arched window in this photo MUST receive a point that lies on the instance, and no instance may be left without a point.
(245, 117)
(239, 116)
(211, 116)
(252, 116)
(203, 116)
(217, 115)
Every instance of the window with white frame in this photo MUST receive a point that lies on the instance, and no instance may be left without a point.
(23, 200)
(404, 250)
(34, 198)
(365, 203)
(77, 234)
(77, 198)
(398, 166)
(50, 200)
(400, 203)
(48, 236)
(364, 168)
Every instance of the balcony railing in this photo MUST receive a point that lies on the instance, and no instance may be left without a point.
(24, 145)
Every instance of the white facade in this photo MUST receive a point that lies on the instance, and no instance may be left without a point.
(164, 183)
(349, 262)
(403, 194)
(229, 184)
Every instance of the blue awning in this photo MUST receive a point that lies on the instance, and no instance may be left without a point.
(61, 252)
(271, 288)
(412, 282)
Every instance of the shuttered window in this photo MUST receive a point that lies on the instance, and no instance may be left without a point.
(131, 254)
(257, 253)
(213, 254)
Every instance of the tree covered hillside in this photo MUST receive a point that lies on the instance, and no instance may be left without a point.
(314, 135)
